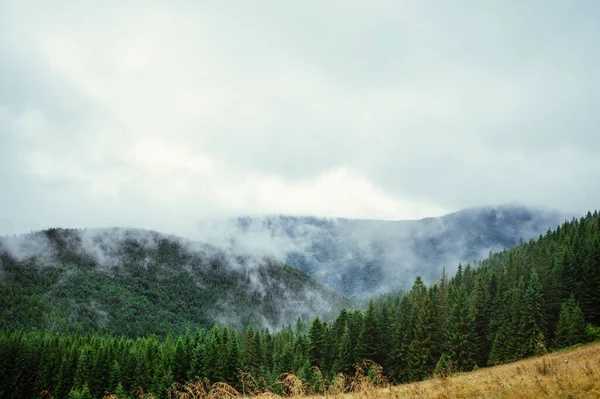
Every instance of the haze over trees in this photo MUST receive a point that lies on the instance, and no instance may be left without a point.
(538, 296)
(360, 258)
(133, 282)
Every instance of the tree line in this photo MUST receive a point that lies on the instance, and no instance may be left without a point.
(541, 295)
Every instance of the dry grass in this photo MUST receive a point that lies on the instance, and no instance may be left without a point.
(573, 374)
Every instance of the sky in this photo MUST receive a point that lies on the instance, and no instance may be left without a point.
(161, 114)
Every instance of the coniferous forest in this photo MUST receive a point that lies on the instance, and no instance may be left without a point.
(539, 296)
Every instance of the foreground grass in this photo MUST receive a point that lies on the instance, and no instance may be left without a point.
(574, 373)
(567, 374)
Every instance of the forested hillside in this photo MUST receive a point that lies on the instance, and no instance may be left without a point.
(543, 294)
(361, 258)
(135, 282)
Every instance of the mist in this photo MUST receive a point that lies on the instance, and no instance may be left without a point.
(362, 258)
(121, 254)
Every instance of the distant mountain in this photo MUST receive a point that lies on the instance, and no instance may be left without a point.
(136, 282)
(361, 258)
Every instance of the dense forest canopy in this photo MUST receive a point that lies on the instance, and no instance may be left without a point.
(541, 295)
(132, 282)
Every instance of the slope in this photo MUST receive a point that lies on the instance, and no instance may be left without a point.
(541, 295)
(135, 282)
(574, 373)
(361, 258)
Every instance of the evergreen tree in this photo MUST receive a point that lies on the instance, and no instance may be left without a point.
(215, 356)
(344, 362)
(317, 343)
(565, 319)
(461, 337)
(369, 336)
(120, 392)
(532, 322)
(577, 328)
(420, 361)
(251, 359)
(234, 359)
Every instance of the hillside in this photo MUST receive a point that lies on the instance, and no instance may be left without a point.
(361, 258)
(540, 296)
(135, 282)
(574, 373)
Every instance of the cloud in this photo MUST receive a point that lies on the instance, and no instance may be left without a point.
(158, 115)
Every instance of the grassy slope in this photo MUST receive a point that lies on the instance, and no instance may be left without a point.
(566, 374)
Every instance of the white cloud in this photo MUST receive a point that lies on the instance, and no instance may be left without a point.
(152, 114)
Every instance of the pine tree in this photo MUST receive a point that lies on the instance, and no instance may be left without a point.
(83, 393)
(344, 362)
(198, 365)
(234, 358)
(442, 313)
(120, 392)
(182, 361)
(84, 368)
(577, 328)
(563, 327)
(532, 322)
(251, 360)
(461, 337)
(317, 343)
(215, 356)
(115, 376)
(402, 334)
(420, 361)
(369, 336)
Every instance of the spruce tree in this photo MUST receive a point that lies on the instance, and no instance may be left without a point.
(369, 336)
(344, 362)
(234, 358)
(532, 322)
(251, 360)
(120, 392)
(563, 327)
(317, 343)
(402, 330)
(461, 336)
(577, 328)
(420, 361)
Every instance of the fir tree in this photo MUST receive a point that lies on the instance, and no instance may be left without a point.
(532, 323)
(461, 337)
(420, 361)
(369, 336)
(344, 362)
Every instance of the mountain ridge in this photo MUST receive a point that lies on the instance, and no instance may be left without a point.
(125, 280)
(362, 257)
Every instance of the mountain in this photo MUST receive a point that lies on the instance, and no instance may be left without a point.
(135, 282)
(540, 295)
(364, 257)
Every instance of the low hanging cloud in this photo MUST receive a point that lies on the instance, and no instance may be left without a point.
(158, 115)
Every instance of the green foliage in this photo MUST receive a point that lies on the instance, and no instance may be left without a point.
(571, 327)
(461, 334)
(444, 367)
(512, 304)
(143, 281)
(592, 333)
(532, 318)
(369, 336)
(420, 360)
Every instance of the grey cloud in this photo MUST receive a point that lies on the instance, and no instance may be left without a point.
(451, 104)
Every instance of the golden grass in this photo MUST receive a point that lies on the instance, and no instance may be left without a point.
(568, 374)
(572, 374)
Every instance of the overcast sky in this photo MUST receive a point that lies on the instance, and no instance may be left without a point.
(162, 114)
